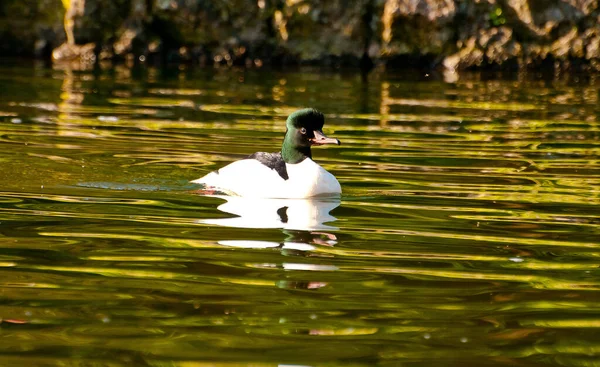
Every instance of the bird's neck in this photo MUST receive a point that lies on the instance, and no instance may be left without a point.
(292, 153)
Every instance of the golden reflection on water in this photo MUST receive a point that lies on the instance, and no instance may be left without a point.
(467, 233)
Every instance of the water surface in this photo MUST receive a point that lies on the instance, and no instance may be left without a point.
(467, 233)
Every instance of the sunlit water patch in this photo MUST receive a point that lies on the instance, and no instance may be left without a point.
(467, 232)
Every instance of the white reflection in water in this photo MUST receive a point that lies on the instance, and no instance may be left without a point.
(313, 267)
(292, 214)
(301, 220)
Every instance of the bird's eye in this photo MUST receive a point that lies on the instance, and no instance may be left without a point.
(303, 130)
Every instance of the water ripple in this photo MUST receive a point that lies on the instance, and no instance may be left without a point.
(467, 232)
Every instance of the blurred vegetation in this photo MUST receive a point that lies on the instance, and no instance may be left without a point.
(453, 34)
(30, 28)
(496, 17)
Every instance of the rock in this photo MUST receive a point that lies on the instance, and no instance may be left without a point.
(328, 30)
(525, 32)
(451, 34)
(82, 53)
(414, 27)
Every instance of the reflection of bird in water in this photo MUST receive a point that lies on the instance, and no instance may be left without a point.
(290, 173)
(318, 238)
(303, 221)
(291, 214)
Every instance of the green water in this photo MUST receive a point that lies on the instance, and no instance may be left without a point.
(468, 233)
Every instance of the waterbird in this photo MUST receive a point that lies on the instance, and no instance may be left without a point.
(288, 174)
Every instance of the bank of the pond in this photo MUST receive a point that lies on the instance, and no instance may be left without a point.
(451, 34)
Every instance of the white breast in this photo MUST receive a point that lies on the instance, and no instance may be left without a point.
(250, 178)
(308, 179)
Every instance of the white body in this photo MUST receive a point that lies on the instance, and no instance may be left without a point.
(250, 178)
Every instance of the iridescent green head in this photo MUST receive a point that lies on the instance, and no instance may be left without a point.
(304, 129)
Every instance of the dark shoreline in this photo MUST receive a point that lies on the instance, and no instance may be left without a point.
(426, 35)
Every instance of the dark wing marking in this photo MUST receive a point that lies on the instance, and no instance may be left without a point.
(273, 161)
(282, 212)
